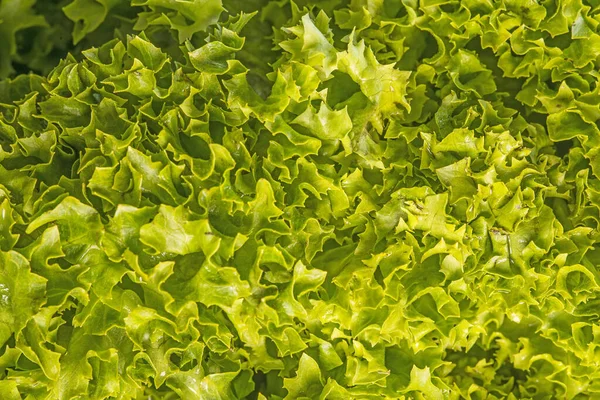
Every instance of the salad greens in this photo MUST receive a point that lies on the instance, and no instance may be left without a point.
(334, 199)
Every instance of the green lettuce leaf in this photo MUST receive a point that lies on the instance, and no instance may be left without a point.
(299, 200)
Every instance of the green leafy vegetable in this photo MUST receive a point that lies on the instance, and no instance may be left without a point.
(206, 199)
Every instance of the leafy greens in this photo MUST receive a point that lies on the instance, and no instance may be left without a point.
(362, 199)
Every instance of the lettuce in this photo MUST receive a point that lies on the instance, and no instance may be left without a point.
(209, 199)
